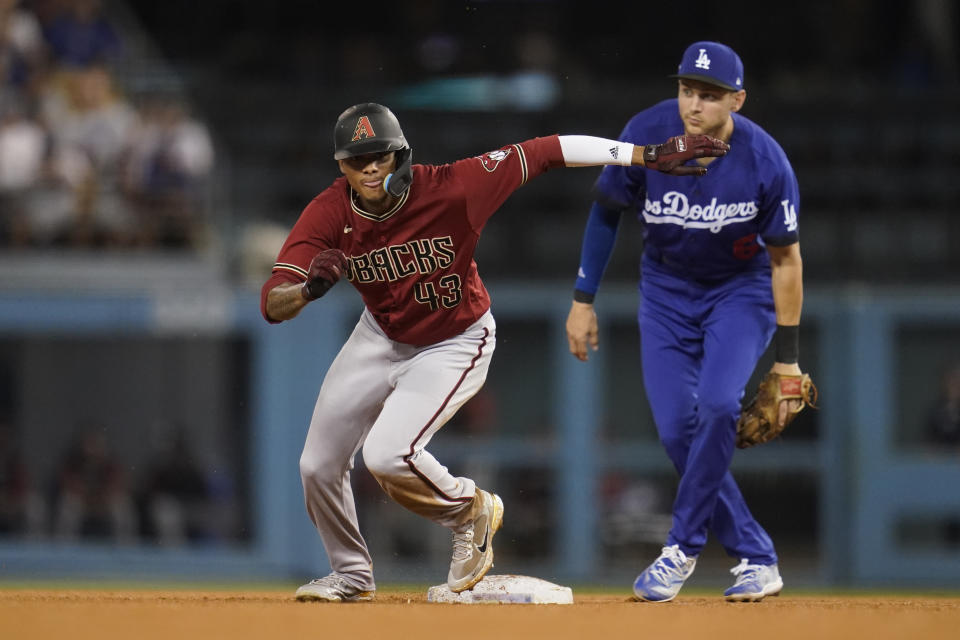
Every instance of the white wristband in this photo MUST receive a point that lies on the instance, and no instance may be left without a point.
(581, 151)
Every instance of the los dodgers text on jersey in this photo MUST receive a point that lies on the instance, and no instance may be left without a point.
(675, 208)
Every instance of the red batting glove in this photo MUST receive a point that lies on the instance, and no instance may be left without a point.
(326, 268)
(670, 156)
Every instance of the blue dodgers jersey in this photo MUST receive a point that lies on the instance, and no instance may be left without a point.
(712, 227)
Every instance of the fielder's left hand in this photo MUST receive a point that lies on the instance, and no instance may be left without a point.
(793, 405)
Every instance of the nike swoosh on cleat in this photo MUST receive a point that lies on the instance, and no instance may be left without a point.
(482, 548)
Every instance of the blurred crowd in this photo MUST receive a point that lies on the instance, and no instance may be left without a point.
(93, 494)
(85, 162)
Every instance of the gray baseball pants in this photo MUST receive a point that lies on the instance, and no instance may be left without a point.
(390, 399)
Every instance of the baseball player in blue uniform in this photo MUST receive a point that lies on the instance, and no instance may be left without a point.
(721, 276)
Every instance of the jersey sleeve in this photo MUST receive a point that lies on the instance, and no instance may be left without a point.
(489, 179)
(779, 205)
(618, 187)
(312, 233)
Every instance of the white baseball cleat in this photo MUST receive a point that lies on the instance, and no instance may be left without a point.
(662, 580)
(332, 588)
(473, 547)
(754, 582)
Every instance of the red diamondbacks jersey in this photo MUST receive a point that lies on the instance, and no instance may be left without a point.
(413, 265)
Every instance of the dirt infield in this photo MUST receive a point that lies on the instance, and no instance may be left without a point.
(143, 614)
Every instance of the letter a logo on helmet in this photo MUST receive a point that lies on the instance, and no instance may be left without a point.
(367, 128)
(372, 128)
(363, 129)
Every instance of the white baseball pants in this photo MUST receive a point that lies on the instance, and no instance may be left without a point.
(390, 398)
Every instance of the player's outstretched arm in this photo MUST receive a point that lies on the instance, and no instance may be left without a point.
(669, 157)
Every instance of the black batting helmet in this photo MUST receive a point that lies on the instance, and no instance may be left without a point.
(372, 128)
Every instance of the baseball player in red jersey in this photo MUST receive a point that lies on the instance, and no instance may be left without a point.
(404, 235)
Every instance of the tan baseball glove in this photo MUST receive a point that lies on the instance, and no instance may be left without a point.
(760, 420)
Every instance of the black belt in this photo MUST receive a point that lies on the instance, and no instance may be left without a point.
(657, 256)
(680, 270)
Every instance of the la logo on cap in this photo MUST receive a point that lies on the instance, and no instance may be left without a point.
(703, 61)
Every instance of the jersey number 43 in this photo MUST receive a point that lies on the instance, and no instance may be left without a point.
(445, 292)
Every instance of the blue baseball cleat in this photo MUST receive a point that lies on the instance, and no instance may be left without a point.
(661, 581)
(754, 582)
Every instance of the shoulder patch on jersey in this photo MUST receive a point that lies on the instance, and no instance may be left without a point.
(492, 159)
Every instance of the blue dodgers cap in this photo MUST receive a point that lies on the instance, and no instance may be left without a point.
(713, 63)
